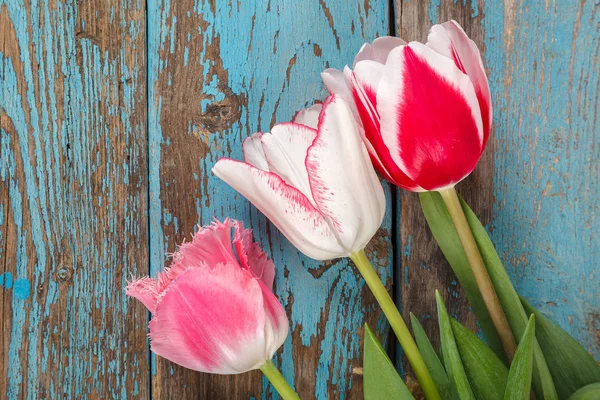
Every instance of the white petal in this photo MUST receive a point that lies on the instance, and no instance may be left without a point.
(308, 116)
(336, 84)
(287, 208)
(368, 73)
(254, 153)
(343, 181)
(285, 150)
(379, 50)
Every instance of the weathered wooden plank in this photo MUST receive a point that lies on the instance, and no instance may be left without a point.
(544, 74)
(537, 183)
(73, 193)
(423, 267)
(218, 72)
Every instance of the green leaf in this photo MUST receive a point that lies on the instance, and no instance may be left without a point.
(444, 232)
(521, 369)
(381, 380)
(432, 361)
(486, 372)
(589, 392)
(570, 364)
(454, 367)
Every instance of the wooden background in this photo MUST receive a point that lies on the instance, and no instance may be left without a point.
(112, 113)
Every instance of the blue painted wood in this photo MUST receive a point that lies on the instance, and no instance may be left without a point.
(88, 163)
(72, 199)
(219, 71)
(544, 74)
(536, 185)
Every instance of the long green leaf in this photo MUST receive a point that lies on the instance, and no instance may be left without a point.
(434, 365)
(569, 363)
(485, 371)
(521, 369)
(381, 380)
(454, 367)
(589, 392)
(443, 230)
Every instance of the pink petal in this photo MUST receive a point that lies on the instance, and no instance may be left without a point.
(344, 184)
(430, 116)
(149, 290)
(251, 255)
(308, 116)
(214, 321)
(144, 289)
(210, 246)
(379, 50)
(289, 209)
(285, 150)
(450, 40)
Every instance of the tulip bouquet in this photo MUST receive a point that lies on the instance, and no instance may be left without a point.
(420, 115)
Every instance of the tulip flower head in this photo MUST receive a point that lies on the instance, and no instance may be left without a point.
(313, 179)
(425, 108)
(214, 311)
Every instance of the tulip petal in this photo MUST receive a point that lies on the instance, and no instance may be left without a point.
(336, 84)
(254, 153)
(379, 50)
(144, 289)
(277, 323)
(211, 245)
(344, 184)
(364, 91)
(285, 150)
(450, 40)
(211, 322)
(290, 211)
(251, 255)
(308, 116)
(429, 106)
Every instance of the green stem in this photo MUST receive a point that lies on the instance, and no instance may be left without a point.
(278, 381)
(482, 278)
(397, 323)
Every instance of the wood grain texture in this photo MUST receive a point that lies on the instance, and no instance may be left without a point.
(218, 72)
(108, 131)
(73, 222)
(536, 186)
(543, 63)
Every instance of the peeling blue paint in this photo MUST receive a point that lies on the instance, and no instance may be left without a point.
(6, 280)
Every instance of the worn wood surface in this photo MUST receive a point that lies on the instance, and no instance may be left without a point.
(73, 190)
(111, 116)
(536, 185)
(217, 73)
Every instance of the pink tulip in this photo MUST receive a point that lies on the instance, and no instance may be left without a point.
(313, 179)
(425, 108)
(214, 311)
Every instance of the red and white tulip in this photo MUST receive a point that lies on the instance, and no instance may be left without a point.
(313, 179)
(213, 311)
(425, 108)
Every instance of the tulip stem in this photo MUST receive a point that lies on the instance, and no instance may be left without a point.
(278, 381)
(397, 323)
(490, 298)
